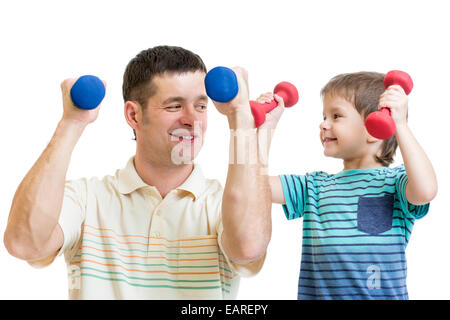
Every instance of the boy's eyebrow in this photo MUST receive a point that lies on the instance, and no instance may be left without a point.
(335, 108)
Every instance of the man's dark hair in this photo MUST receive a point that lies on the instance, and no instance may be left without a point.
(363, 90)
(137, 79)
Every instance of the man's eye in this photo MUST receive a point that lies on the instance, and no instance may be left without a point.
(173, 108)
(202, 107)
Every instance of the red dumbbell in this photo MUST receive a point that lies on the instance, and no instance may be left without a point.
(285, 90)
(380, 124)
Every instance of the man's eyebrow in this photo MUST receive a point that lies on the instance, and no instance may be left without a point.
(173, 99)
(181, 99)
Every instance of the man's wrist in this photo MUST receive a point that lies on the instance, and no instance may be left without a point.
(241, 118)
(73, 127)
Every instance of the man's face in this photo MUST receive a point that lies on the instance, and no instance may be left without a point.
(174, 122)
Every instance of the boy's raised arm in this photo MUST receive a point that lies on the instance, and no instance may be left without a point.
(422, 183)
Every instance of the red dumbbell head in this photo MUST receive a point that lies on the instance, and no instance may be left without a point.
(380, 124)
(288, 92)
(400, 78)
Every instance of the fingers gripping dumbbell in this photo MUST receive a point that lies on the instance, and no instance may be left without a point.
(380, 124)
(87, 92)
(221, 86)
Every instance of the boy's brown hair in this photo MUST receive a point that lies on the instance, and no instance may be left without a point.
(363, 90)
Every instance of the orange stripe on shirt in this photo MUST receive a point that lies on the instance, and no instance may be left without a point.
(125, 256)
(151, 244)
(148, 237)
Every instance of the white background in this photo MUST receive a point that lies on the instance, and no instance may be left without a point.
(304, 42)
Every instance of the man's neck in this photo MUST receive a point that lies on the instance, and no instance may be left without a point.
(164, 177)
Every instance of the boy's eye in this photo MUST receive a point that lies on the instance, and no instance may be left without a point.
(337, 115)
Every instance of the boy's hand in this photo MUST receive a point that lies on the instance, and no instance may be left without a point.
(267, 129)
(396, 100)
(273, 116)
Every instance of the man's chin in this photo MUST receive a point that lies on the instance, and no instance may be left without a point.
(184, 154)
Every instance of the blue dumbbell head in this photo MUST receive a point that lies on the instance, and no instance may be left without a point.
(87, 92)
(221, 84)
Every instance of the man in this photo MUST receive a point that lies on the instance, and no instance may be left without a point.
(157, 229)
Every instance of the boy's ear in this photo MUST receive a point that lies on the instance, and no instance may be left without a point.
(371, 139)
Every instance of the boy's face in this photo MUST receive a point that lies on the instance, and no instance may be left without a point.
(175, 119)
(342, 131)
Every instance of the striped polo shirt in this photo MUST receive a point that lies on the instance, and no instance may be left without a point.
(122, 240)
(356, 226)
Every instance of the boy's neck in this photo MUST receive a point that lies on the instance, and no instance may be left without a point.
(362, 163)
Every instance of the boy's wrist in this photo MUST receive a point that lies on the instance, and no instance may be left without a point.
(402, 128)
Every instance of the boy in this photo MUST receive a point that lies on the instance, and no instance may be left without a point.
(357, 223)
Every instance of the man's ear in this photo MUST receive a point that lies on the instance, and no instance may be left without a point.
(133, 114)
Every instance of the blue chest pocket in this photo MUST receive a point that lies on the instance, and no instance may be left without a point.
(375, 214)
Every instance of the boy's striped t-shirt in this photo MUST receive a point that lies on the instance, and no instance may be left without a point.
(356, 226)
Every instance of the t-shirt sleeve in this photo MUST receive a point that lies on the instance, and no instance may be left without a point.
(295, 194)
(410, 210)
(73, 213)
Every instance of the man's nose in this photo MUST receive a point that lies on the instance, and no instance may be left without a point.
(189, 116)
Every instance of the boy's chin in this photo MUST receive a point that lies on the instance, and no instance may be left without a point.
(331, 154)
(328, 153)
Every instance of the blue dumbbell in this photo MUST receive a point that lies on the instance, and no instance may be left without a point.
(87, 92)
(221, 84)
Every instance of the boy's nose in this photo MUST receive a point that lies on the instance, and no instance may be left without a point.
(324, 125)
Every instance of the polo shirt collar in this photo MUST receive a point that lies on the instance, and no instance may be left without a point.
(129, 180)
(195, 183)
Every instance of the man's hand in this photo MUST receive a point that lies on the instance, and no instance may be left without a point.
(71, 112)
(238, 110)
